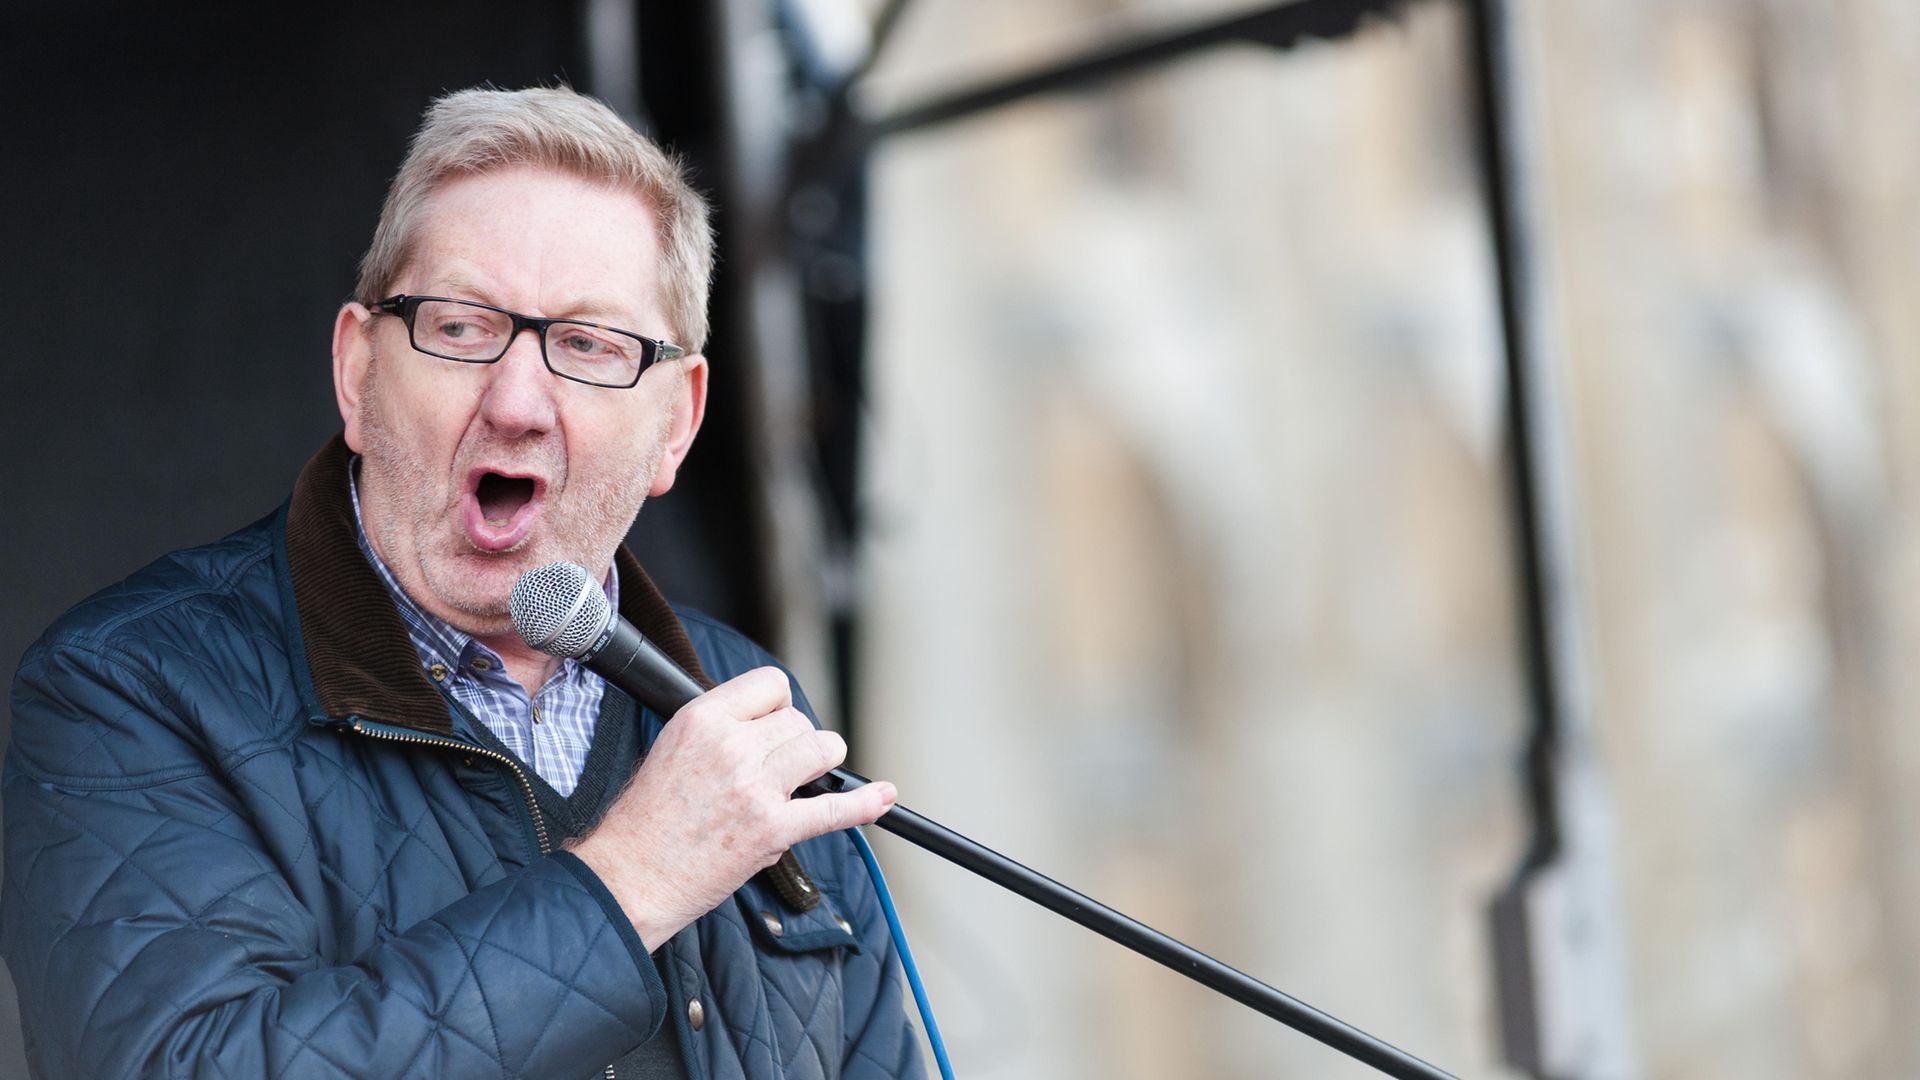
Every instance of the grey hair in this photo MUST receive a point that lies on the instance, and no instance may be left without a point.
(480, 130)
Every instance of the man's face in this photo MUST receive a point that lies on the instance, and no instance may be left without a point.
(472, 474)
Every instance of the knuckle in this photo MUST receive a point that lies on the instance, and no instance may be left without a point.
(834, 814)
(829, 749)
(772, 680)
(769, 827)
(741, 790)
(793, 726)
(700, 712)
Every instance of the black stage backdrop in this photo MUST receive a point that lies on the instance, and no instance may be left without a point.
(186, 195)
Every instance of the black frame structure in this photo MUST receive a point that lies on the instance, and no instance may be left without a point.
(813, 219)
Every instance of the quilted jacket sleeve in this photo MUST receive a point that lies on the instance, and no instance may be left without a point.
(151, 934)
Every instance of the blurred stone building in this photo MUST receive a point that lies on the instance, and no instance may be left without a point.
(1188, 577)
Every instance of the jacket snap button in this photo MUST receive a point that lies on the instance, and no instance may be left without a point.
(841, 922)
(773, 923)
(696, 1014)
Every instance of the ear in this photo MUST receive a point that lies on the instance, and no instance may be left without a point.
(689, 404)
(352, 353)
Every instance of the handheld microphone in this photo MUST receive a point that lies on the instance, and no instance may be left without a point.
(560, 610)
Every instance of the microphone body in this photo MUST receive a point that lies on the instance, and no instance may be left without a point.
(624, 657)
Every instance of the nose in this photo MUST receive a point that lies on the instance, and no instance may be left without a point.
(519, 398)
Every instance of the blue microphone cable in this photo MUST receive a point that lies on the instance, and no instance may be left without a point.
(906, 955)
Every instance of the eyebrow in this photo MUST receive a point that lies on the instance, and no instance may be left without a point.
(588, 309)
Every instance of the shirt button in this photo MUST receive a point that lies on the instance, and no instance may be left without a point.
(438, 671)
(481, 663)
(696, 1014)
(773, 923)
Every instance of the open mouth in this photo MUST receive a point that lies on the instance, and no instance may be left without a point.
(501, 497)
(501, 509)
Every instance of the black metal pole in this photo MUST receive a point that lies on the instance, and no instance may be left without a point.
(1278, 25)
(1528, 429)
(1142, 938)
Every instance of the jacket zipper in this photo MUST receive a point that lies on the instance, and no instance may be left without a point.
(526, 789)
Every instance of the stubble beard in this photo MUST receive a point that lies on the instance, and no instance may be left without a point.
(581, 522)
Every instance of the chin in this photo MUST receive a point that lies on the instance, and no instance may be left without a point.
(479, 592)
(480, 609)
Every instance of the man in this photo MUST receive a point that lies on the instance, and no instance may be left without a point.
(301, 803)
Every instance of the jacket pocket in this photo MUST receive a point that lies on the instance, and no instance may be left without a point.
(779, 929)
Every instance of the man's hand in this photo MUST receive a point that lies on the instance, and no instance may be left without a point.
(711, 805)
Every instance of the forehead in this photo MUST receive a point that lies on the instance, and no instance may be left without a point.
(542, 242)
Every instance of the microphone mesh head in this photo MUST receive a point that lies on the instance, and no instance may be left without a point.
(559, 609)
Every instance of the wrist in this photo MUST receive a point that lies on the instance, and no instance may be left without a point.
(654, 917)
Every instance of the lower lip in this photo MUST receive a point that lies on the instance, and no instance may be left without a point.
(489, 537)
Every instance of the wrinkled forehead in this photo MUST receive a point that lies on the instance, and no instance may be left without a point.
(539, 240)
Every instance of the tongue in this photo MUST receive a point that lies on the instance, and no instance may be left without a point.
(502, 496)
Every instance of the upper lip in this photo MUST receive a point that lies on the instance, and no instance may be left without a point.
(475, 474)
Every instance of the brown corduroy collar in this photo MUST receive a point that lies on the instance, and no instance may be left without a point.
(358, 653)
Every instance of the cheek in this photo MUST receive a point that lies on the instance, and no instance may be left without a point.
(431, 425)
(611, 469)
(609, 440)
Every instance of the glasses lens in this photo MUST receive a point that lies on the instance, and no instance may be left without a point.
(595, 354)
(460, 331)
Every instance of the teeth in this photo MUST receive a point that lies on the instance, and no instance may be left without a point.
(498, 523)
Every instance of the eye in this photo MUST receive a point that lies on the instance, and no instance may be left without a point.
(584, 345)
(457, 328)
(589, 347)
(461, 327)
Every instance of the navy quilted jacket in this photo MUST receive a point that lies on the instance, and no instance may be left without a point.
(246, 837)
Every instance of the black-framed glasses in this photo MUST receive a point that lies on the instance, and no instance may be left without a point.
(475, 333)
